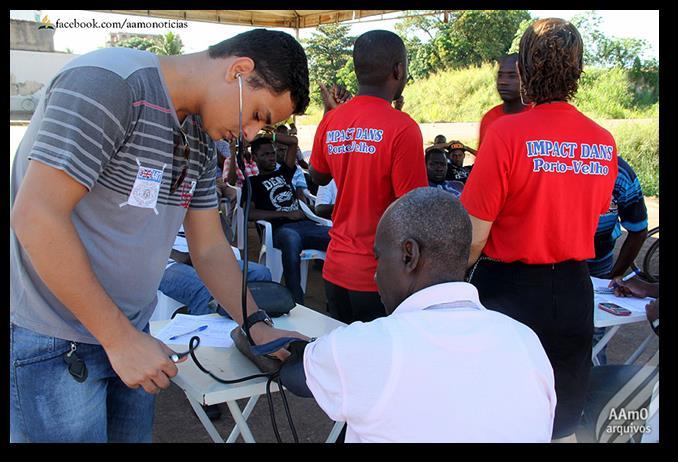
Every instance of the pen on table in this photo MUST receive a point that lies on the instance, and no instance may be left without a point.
(629, 276)
(199, 329)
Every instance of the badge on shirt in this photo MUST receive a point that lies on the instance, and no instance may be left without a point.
(146, 188)
(187, 193)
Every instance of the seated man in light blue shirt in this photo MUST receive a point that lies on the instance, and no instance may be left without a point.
(436, 169)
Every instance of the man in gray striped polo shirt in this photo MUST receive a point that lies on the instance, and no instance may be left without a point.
(117, 156)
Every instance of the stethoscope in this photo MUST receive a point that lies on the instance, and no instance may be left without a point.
(256, 349)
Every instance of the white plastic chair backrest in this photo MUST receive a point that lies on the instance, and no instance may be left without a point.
(312, 216)
(238, 219)
(310, 196)
(236, 252)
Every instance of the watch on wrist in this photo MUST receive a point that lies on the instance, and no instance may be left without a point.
(258, 316)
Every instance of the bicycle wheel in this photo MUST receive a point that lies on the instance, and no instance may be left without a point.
(651, 262)
(638, 264)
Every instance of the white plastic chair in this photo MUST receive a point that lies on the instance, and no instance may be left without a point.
(272, 257)
(311, 197)
(238, 225)
(165, 308)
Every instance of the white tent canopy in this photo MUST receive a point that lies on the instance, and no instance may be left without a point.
(294, 19)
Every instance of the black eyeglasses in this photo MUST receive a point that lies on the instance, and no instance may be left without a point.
(178, 140)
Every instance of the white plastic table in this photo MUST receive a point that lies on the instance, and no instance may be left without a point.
(229, 363)
(602, 318)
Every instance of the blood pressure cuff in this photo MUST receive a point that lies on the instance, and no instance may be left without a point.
(272, 297)
(292, 374)
(265, 363)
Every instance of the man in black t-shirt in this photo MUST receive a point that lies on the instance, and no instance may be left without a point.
(273, 199)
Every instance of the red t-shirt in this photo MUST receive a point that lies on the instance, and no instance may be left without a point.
(375, 155)
(492, 115)
(543, 177)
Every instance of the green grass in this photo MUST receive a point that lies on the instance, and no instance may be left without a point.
(464, 95)
(638, 143)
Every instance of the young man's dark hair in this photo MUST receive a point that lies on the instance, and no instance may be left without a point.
(280, 62)
(439, 139)
(546, 72)
(375, 54)
(257, 143)
(431, 151)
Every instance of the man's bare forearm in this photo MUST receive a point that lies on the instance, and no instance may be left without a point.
(60, 259)
(221, 274)
(476, 250)
(628, 252)
(324, 210)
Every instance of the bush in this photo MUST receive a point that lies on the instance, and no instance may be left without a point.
(638, 144)
(609, 94)
(464, 95)
(453, 96)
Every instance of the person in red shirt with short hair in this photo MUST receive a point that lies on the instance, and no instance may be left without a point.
(508, 86)
(375, 154)
(540, 182)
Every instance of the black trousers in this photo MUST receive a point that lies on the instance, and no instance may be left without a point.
(556, 302)
(349, 305)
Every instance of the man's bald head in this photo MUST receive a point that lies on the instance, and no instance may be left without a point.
(423, 238)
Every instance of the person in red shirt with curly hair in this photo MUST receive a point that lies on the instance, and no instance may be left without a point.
(540, 182)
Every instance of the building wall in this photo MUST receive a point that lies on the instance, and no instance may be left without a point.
(25, 35)
(29, 73)
(31, 68)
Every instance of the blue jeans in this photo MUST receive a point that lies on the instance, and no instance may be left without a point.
(291, 239)
(48, 405)
(182, 283)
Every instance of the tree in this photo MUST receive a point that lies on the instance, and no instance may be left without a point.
(466, 38)
(423, 55)
(168, 44)
(601, 50)
(515, 46)
(138, 43)
(346, 77)
(479, 36)
(588, 25)
(328, 50)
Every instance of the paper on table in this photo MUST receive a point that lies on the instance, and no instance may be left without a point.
(606, 295)
(217, 334)
(600, 286)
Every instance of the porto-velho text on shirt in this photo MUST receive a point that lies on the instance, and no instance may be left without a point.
(595, 156)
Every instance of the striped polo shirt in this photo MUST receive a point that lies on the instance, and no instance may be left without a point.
(627, 208)
(107, 121)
